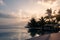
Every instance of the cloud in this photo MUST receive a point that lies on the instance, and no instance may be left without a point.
(3, 15)
(23, 14)
(47, 1)
(58, 4)
(2, 2)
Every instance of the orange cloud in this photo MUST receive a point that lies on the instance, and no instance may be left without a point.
(47, 1)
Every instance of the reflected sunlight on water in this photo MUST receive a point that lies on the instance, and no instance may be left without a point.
(13, 34)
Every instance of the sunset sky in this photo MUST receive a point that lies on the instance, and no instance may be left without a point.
(21, 10)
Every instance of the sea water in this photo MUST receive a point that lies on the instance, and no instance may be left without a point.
(13, 34)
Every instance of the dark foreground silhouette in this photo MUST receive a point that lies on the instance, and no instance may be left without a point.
(46, 25)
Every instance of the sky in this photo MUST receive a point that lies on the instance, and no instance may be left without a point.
(20, 11)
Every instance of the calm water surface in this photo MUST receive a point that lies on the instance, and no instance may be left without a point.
(13, 34)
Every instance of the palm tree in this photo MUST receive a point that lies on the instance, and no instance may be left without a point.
(36, 27)
(49, 12)
(49, 16)
(58, 16)
(32, 27)
(41, 24)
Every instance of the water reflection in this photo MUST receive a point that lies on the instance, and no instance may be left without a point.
(13, 34)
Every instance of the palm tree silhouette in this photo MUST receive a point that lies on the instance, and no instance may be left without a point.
(32, 25)
(41, 24)
(58, 16)
(44, 25)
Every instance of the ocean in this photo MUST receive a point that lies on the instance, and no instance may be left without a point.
(13, 33)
